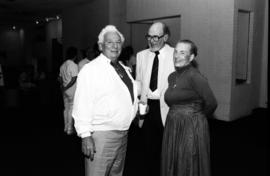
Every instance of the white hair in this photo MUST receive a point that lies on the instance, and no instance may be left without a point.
(109, 28)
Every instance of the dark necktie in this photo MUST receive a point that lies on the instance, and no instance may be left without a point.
(154, 74)
(124, 76)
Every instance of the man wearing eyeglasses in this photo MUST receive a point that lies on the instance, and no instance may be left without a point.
(153, 67)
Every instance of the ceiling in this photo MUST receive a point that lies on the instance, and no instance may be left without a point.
(25, 11)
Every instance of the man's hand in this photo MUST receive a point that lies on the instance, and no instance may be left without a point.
(70, 130)
(88, 147)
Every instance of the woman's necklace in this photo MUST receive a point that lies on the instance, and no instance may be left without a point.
(177, 76)
(174, 86)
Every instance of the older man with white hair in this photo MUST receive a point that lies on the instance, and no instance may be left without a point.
(105, 104)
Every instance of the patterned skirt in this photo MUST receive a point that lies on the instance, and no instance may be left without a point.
(186, 142)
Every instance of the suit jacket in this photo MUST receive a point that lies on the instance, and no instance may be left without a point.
(143, 74)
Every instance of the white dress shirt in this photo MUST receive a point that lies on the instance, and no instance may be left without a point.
(144, 65)
(102, 101)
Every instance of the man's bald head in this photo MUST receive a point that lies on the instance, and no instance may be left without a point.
(157, 36)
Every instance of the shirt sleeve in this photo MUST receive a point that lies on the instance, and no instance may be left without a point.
(73, 69)
(138, 68)
(80, 66)
(83, 102)
(139, 72)
(201, 86)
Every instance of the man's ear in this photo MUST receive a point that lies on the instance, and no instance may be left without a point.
(100, 46)
(166, 37)
(191, 57)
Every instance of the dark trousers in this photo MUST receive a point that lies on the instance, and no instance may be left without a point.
(153, 133)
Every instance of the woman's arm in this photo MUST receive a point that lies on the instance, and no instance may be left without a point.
(201, 86)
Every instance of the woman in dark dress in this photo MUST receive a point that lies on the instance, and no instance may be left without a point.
(186, 143)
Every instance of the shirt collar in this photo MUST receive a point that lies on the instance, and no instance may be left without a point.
(162, 50)
(104, 58)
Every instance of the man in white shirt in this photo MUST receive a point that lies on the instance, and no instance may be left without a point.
(153, 68)
(67, 77)
(105, 104)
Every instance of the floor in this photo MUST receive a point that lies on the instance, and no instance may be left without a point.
(34, 143)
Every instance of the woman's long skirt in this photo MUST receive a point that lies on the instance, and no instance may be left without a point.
(186, 142)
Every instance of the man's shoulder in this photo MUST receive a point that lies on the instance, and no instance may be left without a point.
(93, 70)
(94, 64)
(69, 63)
(83, 61)
(168, 48)
(142, 52)
(143, 55)
(63, 65)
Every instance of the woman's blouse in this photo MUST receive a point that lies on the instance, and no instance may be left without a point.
(188, 85)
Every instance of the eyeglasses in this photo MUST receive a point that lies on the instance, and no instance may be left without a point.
(155, 38)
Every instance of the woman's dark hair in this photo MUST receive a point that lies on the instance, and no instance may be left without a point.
(193, 50)
(71, 52)
(193, 47)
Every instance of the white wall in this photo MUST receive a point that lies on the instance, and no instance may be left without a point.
(211, 25)
(117, 17)
(141, 9)
(246, 97)
(264, 73)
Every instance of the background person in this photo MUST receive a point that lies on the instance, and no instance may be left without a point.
(186, 142)
(67, 77)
